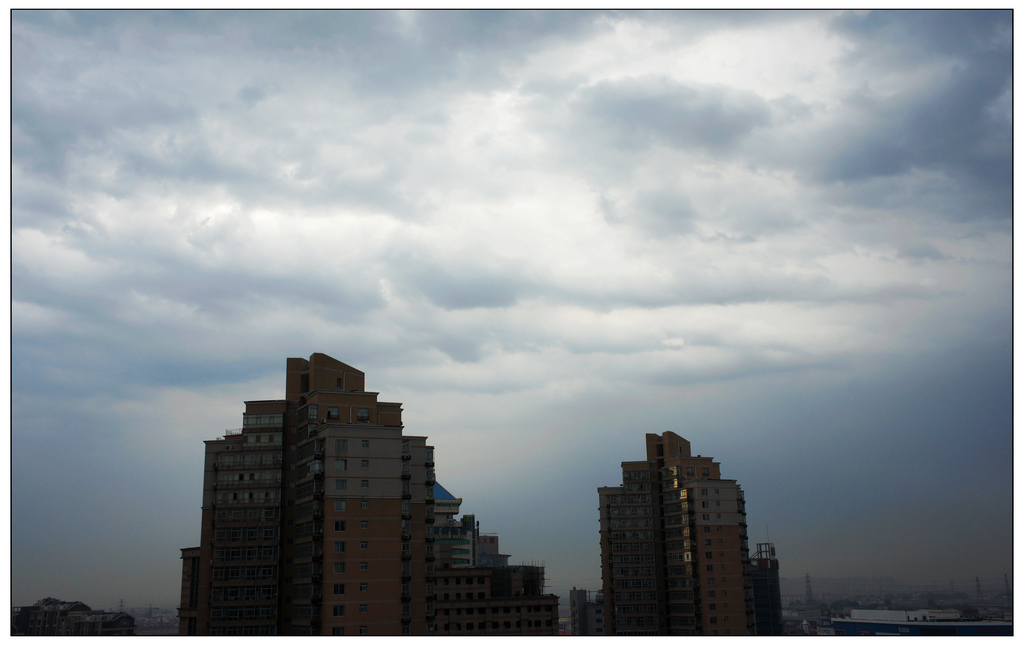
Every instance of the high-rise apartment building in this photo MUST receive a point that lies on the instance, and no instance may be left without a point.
(315, 517)
(674, 554)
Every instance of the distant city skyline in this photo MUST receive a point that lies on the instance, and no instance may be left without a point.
(784, 236)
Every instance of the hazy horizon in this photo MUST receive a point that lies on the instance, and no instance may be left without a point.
(785, 236)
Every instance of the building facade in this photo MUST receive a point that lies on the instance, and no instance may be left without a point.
(764, 577)
(586, 616)
(674, 552)
(317, 517)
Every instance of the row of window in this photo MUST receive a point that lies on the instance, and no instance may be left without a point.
(267, 572)
(251, 592)
(271, 514)
(495, 625)
(342, 484)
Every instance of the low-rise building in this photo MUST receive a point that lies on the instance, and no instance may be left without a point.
(586, 616)
(53, 617)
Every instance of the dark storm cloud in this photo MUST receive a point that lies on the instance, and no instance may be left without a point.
(954, 123)
(636, 113)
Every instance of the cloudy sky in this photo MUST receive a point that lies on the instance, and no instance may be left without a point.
(786, 237)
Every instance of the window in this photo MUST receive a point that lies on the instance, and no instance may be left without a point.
(708, 555)
(710, 567)
(716, 491)
(706, 516)
(339, 547)
(339, 567)
(711, 594)
(340, 505)
(339, 382)
(340, 484)
(364, 524)
(711, 606)
(707, 542)
(480, 581)
(707, 529)
(339, 526)
(364, 483)
(332, 413)
(363, 566)
(365, 463)
(703, 492)
(341, 444)
(362, 628)
(703, 504)
(363, 609)
(714, 620)
(363, 586)
(363, 416)
(689, 471)
(480, 595)
(341, 464)
(706, 472)
(364, 503)
(406, 630)
(339, 590)
(364, 545)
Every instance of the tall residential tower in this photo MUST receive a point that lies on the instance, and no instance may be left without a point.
(674, 554)
(315, 517)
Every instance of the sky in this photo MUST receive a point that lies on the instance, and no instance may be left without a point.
(786, 237)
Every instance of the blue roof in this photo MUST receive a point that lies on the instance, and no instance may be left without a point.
(441, 493)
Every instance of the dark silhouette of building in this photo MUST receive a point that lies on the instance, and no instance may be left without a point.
(53, 617)
(319, 519)
(315, 517)
(764, 576)
(674, 554)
